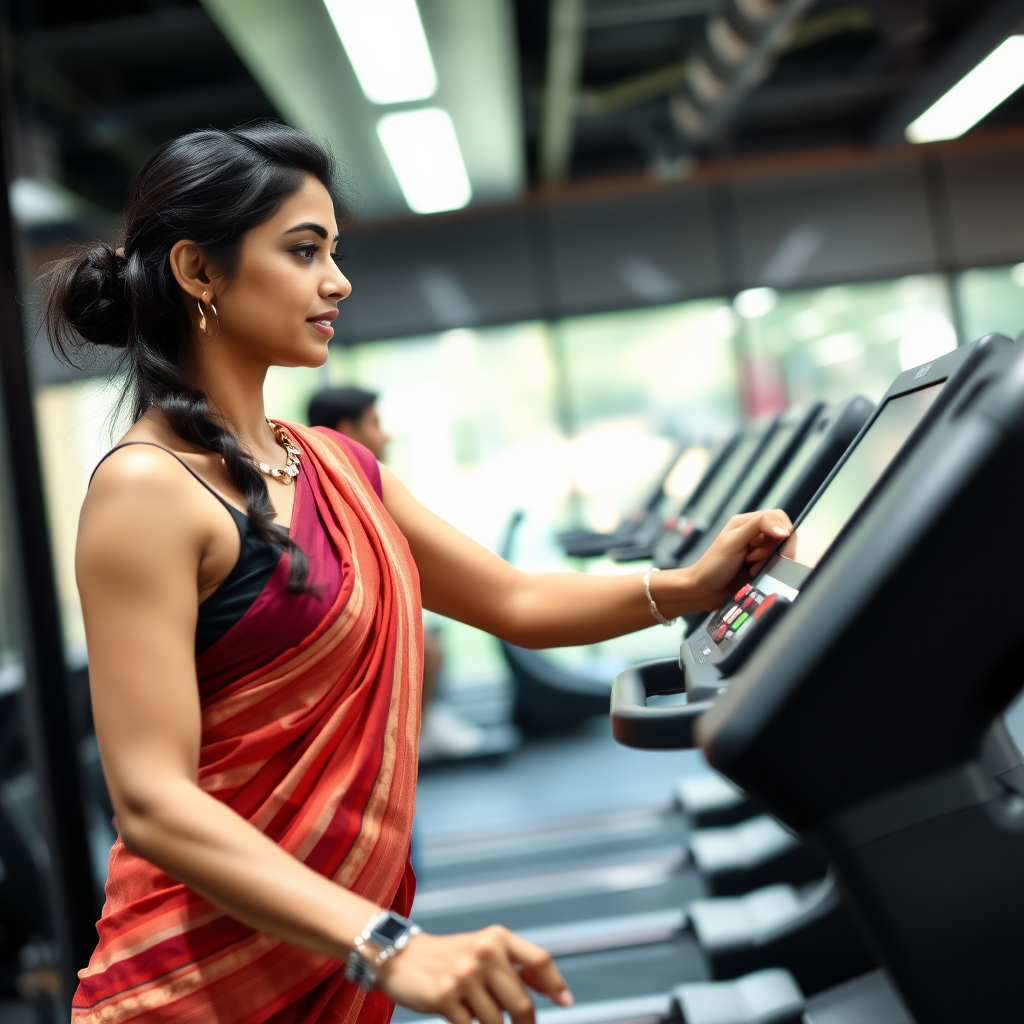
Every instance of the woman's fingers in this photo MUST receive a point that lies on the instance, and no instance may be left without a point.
(458, 1014)
(479, 1002)
(538, 970)
(773, 524)
(509, 993)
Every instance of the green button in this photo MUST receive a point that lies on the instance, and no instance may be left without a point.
(739, 620)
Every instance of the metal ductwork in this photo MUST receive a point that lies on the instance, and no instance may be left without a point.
(740, 45)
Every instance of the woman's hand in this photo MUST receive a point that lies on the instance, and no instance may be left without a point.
(737, 554)
(475, 974)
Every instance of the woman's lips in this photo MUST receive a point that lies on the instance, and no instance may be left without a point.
(323, 326)
(323, 322)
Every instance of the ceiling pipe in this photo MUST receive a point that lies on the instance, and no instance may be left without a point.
(565, 62)
(741, 43)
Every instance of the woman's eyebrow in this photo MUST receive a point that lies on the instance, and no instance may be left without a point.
(310, 226)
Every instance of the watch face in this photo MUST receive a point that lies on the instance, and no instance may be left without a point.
(391, 928)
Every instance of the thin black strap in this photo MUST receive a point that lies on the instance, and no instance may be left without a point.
(152, 444)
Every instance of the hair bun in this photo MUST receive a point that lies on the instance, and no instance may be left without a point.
(87, 288)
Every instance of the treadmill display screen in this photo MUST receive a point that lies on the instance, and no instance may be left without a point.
(718, 489)
(686, 473)
(769, 454)
(809, 445)
(785, 572)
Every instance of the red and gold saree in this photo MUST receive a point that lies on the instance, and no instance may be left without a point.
(316, 748)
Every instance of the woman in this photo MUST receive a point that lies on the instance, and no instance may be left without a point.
(252, 598)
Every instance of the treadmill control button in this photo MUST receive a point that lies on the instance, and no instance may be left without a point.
(765, 605)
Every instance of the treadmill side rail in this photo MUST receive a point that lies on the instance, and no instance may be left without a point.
(634, 724)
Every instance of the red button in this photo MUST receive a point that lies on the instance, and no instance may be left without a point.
(765, 605)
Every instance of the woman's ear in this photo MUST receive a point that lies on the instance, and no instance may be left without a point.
(191, 269)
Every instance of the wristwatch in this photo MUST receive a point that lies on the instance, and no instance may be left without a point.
(384, 935)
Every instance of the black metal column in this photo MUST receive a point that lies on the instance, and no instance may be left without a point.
(54, 755)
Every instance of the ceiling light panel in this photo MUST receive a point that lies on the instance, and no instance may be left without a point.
(385, 42)
(978, 93)
(296, 55)
(424, 153)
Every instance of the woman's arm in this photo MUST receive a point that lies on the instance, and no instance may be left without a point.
(465, 581)
(146, 536)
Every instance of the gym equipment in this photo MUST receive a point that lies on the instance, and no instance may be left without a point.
(590, 543)
(991, 779)
(788, 483)
(710, 497)
(655, 704)
(925, 841)
(548, 698)
(772, 459)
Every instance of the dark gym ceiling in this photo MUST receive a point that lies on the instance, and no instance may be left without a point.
(100, 82)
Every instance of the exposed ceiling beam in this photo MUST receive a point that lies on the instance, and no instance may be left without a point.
(620, 14)
(60, 95)
(237, 98)
(660, 81)
(1002, 20)
(564, 64)
(135, 39)
(797, 98)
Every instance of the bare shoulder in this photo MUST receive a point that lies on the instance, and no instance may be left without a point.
(138, 473)
(142, 509)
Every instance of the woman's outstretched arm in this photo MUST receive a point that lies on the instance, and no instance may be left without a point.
(148, 534)
(465, 581)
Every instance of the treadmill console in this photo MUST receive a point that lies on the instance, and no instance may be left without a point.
(919, 401)
(785, 571)
(721, 643)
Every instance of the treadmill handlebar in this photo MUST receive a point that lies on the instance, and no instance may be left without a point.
(634, 724)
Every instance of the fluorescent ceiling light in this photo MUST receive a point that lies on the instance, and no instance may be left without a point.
(385, 42)
(998, 76)
(426, 159)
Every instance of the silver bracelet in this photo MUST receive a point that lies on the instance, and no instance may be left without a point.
(650, 600)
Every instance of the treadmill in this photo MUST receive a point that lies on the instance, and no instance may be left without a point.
(721, 481)
(944, 391)
(893, 780)
(590, 543)
(918, 399)
(772, 459)
(809, 452)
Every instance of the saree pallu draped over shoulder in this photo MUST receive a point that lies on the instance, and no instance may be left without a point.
(318, 750)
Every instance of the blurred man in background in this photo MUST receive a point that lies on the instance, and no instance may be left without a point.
(445, 733)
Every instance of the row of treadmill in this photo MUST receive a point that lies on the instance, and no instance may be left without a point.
(854, 853)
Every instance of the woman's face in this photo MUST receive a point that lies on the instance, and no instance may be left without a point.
(283, 295)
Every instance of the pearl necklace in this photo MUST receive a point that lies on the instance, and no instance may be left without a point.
(287, 473)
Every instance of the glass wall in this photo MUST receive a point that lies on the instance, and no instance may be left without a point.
(832, 343)
(992, 299)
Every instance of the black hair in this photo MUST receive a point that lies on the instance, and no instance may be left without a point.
(210, 186)
(332, 404)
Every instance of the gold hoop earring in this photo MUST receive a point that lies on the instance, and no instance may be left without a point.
(202, 318)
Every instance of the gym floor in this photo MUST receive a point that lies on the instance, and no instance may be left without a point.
(586, 773)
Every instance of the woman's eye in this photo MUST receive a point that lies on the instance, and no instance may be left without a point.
(306, 252)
